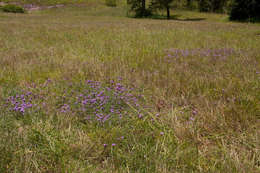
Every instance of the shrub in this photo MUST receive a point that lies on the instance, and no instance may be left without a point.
(10, 8)
(143, 13)
(111, 3)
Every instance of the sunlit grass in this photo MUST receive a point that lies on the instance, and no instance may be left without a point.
(200, 112)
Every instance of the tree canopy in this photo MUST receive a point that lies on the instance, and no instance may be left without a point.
(245, 10)
(162, 4)
(238, 9)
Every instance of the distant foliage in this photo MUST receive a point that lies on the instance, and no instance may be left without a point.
(162, 4)
(189, 4)
(10, 8)
(245, 10)
(204, 5)
(111, 3)
(139, 8)
(213, 5)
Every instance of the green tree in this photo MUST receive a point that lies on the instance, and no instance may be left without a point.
(162, 4)
(188, 4)
(212, 5)
(139, 7)
(245, 10)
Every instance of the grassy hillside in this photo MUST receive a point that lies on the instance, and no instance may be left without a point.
(85, 89)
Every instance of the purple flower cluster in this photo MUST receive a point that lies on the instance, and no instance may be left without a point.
(92, 100)
(20, 103)
(65, 108)
(95, 101)
(216, 53)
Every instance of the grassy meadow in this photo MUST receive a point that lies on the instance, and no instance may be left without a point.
(86, 89)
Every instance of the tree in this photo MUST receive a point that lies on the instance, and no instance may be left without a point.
(212, 5)
(162, 4)
(188, 4)
(204, 5)
(139, 7)
(245, 10)
(218, 5)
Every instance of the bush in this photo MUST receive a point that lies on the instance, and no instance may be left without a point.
(10, 8)
(143, 13)
(245, 10)
(111, 3)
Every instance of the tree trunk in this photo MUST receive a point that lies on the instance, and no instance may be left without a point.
(168, 12)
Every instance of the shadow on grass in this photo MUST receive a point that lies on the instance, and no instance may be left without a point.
(176, 17)
(256, 21)
(173, 17)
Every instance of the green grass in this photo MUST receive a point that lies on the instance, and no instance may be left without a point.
(201, 113)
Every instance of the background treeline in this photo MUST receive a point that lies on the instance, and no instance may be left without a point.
(247, 10)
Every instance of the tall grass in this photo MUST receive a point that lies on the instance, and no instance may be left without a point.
(196, 86)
